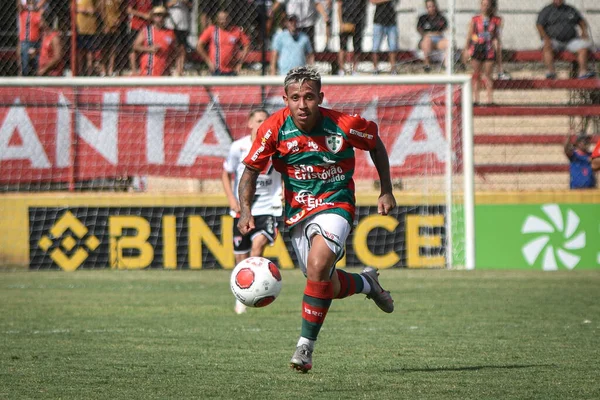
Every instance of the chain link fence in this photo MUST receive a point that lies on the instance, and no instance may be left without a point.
(515, 150)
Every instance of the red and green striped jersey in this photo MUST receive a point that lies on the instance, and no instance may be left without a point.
(317, 166)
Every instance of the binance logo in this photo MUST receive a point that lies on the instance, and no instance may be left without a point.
(66, 238)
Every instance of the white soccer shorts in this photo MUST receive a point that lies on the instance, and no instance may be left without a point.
(332, 227)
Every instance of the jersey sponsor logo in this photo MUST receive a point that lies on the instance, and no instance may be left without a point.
(295, 218)
(335, 173)
(262, 146)
(334, 143)
(361, 134)
(293, 146)
(237, 240)
(263, 182)
(309, 201)
(313, 146)
(289, 131)
(328, 160)
(332, 236)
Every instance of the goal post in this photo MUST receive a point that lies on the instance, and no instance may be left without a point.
(59, 132)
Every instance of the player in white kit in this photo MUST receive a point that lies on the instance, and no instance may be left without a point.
(267, 204)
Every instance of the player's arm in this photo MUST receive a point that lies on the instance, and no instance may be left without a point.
(233, 203)
(386, 201)
(246, 191)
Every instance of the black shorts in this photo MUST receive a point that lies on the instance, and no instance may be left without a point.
(356, 37)
(89, 42)
(264, 225)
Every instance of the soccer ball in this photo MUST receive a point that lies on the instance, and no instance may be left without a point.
(256, 282)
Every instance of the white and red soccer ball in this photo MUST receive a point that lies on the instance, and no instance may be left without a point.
(256, 282)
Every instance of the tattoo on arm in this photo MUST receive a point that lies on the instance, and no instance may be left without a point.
(247, 188)
(380, 159)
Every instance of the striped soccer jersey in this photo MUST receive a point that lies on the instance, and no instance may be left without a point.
(317, 167)
(157, 64)
(267, 198)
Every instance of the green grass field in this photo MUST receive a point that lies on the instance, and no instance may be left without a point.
(173, 334)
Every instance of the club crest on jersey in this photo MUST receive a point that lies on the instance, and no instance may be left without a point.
(334, 143)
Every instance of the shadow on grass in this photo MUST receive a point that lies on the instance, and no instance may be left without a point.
(469, 368)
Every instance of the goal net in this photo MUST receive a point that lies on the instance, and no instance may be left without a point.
(126, 173)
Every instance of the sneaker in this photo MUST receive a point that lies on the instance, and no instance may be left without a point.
(551, 75)
(504, 76)
(381, 297)
(302, 359)
(427, 69)
(587, 75)
(240, 308)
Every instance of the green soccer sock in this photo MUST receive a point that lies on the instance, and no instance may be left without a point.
(315, 304)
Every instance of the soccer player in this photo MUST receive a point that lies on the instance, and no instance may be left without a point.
(313, 148)
(266, 205)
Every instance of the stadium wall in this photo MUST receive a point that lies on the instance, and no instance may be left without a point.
(536, 230)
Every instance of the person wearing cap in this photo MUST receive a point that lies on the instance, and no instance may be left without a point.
(291, 48)
(156, 44)
(580, 162)
(227, 44)
(307, 12)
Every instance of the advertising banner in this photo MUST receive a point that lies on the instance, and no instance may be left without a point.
(64, 134)
(545, 237)
(201, 237)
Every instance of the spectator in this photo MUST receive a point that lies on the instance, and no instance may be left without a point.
(291, 48)
(113, 13)
(208, 13)
(156, 44)
(52, 60)
(431, 26)
(596, 157)
(139, 17)
(580, 162)
(557, 23)
(224, 41)
(251, 16)
(483, 47)
(306, 11)
(30, 18)
(384, 23)
(351, 14)
(87, 36)
(179, 21)
(328, 6)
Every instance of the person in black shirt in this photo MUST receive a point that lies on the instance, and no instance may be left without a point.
(431, 26)
(557, 24)
(384, 23)
(351, 14)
